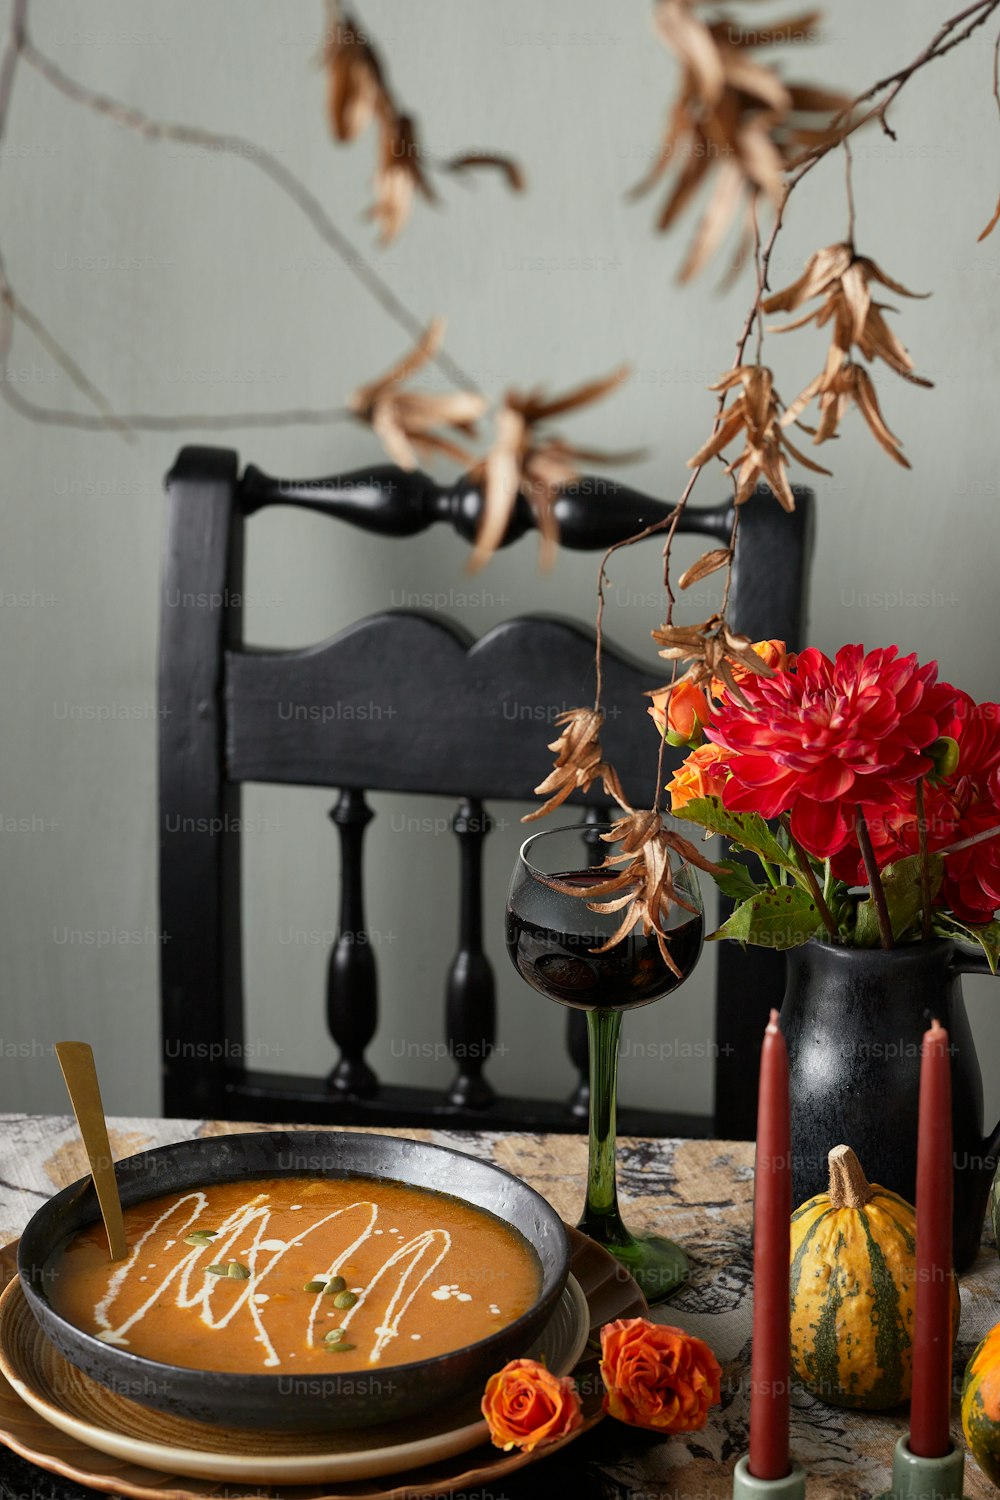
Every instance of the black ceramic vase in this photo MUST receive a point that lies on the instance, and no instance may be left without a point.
(853, 1020)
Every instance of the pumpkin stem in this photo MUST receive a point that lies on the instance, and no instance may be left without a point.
(849, 1187)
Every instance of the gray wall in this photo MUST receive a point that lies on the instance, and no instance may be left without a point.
(184, 282)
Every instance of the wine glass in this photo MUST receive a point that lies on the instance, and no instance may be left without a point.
(551, 938)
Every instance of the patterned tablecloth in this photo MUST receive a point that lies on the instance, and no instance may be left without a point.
(697, 1192)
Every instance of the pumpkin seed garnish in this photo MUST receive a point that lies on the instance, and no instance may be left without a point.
(344, 1300)
(314, 1286)
(336, 1285)
(334, 1336)
(340, 1347)
(234, 1270)
(200, 1237)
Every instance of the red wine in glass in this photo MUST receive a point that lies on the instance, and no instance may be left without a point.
(561, 963)
(555, 942)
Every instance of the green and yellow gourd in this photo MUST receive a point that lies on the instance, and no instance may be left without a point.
(981, 1405)
(852, 1291)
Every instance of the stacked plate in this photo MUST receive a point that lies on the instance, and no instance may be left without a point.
(116, 1421)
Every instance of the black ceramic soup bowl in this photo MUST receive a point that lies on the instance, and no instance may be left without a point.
(282, 1402)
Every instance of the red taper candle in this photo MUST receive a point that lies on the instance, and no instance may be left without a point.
(772, 1211)
(930, 1405)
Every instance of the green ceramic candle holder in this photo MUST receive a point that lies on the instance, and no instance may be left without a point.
(916, 1478)
(747, 1486)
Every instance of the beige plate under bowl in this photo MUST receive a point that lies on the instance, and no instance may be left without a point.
(113, 1424)
(140, 1452)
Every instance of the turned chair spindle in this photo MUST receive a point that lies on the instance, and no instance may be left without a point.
(470, 1005)
(351, 978)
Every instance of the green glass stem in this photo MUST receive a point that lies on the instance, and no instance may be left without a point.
(601, 1219)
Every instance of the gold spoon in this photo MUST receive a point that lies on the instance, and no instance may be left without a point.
(77, 1062)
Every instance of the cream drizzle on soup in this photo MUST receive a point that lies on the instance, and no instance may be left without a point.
(416, 1273)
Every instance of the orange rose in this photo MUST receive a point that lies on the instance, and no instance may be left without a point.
(772, 653)
(525, 1405)
(679, 712)
(702, 775)
(657, 1377)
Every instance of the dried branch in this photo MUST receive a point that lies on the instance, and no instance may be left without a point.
(359, 92)
(892, 84)
(734, 121)
(12, 51)
(108, 418)
(356, 89)
(105, 417)
(843, 280)
(156, 131)
(13, 308)
(537, 465)
(579, 763)
(849, 189)
(405, 420)
(755, 416)
(471, 161)
(644, 889)
(950, 34)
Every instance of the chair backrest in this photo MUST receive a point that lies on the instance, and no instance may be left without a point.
(219, 728)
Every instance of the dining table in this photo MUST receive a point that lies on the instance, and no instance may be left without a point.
(699, 1192)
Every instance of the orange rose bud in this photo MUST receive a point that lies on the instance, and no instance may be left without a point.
(525, 1405)
(772, 654)
(680, 712)
(657, 1377)
(703, 774)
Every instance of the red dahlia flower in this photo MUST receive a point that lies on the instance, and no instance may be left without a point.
(965, 803)
(972, 876)
(978, 738)
(829, 736)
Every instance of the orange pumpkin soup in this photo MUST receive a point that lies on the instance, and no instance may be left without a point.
(287, 1273)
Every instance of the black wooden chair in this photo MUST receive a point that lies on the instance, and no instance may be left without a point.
(219, 728)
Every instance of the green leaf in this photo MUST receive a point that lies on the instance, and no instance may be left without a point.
(866, 928)
(901, 883)
(736, 882)
(774, 919)
(746, 829)
(987, 935)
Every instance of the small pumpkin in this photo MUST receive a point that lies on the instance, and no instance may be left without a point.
(852, 1290)
(981, 1404)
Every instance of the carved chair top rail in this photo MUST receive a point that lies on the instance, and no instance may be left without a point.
(591, 514)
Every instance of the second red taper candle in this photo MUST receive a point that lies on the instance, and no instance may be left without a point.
(930, 1403)
(770, 1370)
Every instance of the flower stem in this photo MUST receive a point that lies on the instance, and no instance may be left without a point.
(874, 878)
(925, 867)
(805, 865)
(971, 841)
